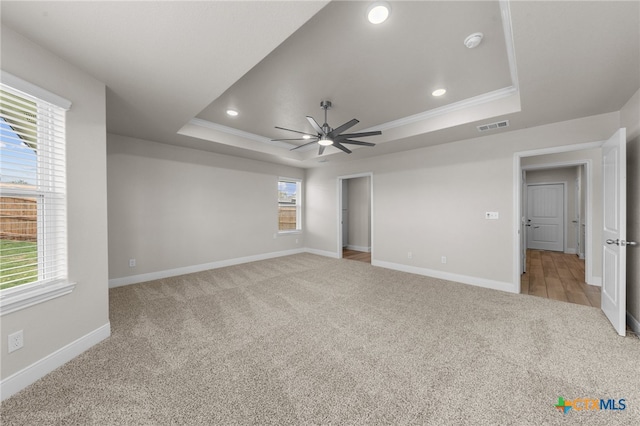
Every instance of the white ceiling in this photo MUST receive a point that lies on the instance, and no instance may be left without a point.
(173, 68)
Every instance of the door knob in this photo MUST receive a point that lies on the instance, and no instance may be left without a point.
(610, 241)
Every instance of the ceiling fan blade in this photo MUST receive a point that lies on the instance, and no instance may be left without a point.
(315, 125)
(343, 148)
(321, 150)
(358, 135)
(345, 126)
(357, 142)
(303, 145)
(296, 131)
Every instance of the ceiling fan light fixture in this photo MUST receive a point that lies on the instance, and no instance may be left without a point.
(438, 92)
(325, 141)
(232, 113)
(378, 12)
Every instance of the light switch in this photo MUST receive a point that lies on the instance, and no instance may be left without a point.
(492, 215)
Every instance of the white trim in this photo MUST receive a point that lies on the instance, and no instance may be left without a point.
(140, 278)
(237, 132)
(33, 90)
(508, 40)
(324, 253)
(446, 109)
(570, 251)
(23, 378)
(464, 279)
(633, 323)
(20, 297)
(358, 248)
(557, 150)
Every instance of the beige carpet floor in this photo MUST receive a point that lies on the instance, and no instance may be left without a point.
(311, 340)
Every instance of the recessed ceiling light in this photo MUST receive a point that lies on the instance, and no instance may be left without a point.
(378, 12)
(232, 112)
(473, 40)
(439, 92)
(306, 137)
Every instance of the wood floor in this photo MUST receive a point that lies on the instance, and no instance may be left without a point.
(558, 276)
(360, 256)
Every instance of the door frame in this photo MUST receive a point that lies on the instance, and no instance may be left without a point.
(565, 205)
(339, 181)
(517, 202)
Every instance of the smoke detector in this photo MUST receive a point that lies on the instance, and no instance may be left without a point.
(473, 40)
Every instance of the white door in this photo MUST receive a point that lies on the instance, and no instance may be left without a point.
(614, 250)
(545, 218)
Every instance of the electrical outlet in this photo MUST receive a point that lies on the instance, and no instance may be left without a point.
(132, 263)
(410, 255)
(443, 259)
(16, 341)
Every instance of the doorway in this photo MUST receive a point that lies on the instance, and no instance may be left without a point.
(355, 217)
(554, 201)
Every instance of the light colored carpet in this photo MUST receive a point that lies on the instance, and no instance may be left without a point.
(311, 340)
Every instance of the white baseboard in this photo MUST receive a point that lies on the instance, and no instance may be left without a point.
(581, 256)
(140, 278)
(479, 282)
(359, 248)
(633, 323)
(571, 251)
(23, 378)
(322, 253)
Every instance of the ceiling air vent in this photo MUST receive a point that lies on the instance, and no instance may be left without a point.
(492, 126)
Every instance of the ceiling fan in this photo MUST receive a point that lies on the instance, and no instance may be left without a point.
(326, 136)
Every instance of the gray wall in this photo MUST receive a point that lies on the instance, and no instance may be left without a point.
(172, 207)
(630, 118)
(51, 325)
(445, 191)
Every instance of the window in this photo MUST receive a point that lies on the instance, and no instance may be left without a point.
(33, 222)
(289, 205)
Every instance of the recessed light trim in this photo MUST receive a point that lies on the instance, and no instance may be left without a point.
(232, 113)
(438, 92)
(378, 12)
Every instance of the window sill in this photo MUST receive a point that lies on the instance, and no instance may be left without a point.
(20, 297)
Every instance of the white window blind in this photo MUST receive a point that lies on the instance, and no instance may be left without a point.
(33, 226)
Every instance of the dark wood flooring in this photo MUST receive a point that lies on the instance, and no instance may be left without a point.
(558, 276)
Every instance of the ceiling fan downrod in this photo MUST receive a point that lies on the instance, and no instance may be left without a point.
(325, 105)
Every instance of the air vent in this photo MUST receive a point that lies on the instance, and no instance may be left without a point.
(492, 126)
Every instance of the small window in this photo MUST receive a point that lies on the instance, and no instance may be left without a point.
(289, 205)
